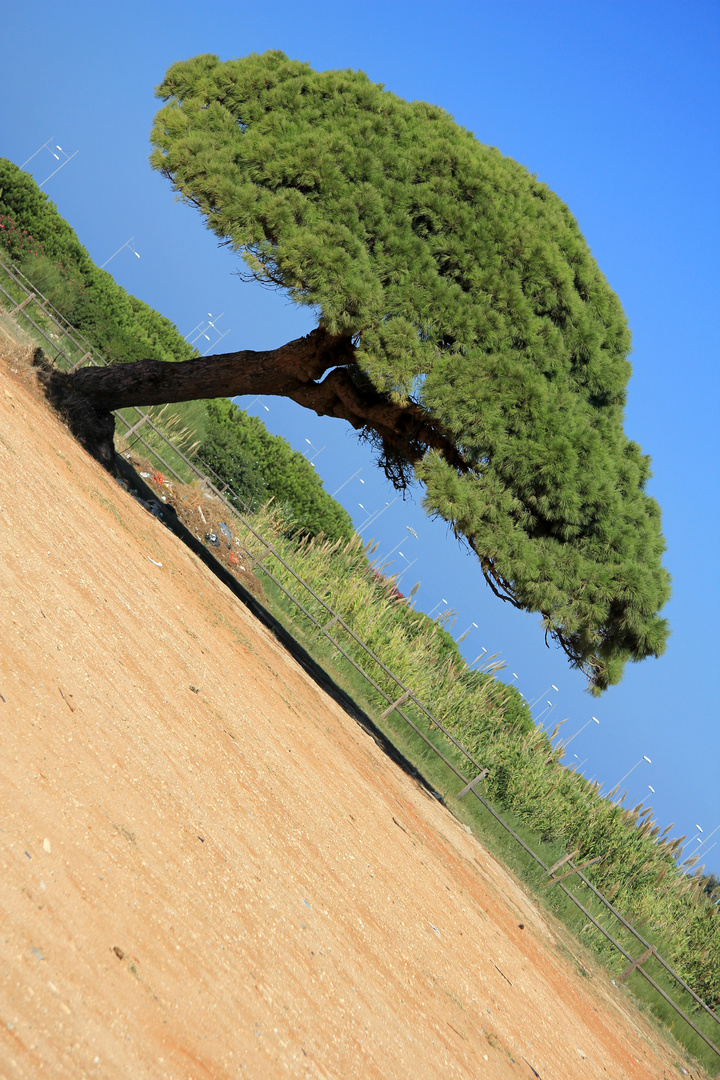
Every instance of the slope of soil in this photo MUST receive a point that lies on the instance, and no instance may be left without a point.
(207, 869)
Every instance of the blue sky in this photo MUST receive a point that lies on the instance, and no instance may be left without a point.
(615, 107)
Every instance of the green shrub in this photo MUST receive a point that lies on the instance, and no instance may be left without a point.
(260, 466)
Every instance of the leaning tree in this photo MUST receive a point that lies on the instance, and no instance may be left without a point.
(462, 326)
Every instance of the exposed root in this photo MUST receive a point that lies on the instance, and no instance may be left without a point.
(94, 429)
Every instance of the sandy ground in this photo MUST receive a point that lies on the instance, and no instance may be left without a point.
(207, 869)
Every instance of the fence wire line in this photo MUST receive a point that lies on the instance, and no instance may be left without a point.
(133, 430)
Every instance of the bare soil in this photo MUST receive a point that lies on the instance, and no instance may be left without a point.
(207, 869)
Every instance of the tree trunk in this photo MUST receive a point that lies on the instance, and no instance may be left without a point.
(88, 396)
(152, 382)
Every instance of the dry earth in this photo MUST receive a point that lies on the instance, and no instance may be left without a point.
(207, 869)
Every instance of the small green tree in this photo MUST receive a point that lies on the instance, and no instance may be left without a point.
(261, 466)
(463, 327)
(232, 462)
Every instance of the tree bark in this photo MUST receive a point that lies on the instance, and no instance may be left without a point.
(152, 382)
(407, 429)
(88, 396)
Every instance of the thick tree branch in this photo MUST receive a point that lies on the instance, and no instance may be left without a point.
(152, 382)
(406, 429)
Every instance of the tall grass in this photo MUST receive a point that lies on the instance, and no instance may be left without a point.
(638, 870)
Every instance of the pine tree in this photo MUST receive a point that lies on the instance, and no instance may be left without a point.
(463, 327)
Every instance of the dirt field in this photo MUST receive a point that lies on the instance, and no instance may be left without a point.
(207, 869)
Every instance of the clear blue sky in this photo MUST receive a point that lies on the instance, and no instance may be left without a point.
(615, 106)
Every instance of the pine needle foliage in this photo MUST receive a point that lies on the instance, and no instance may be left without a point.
(469, 292)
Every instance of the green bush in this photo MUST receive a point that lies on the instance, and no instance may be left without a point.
(41, 242)
(260, 466)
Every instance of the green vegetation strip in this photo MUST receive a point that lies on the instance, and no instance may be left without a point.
(483, 720)
(329, 555)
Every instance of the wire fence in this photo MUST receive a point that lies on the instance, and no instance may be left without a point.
(67, 348)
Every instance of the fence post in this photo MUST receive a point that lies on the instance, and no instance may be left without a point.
(575, 869)
(87, 356)
(269, 550)
(135, 427)
(396, 704)
(20, 307)
(471, 786)
(561, 862)
(636, 963)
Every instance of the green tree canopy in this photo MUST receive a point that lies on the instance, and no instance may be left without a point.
(463, 326)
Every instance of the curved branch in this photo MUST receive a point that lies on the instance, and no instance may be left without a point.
(406, 429)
